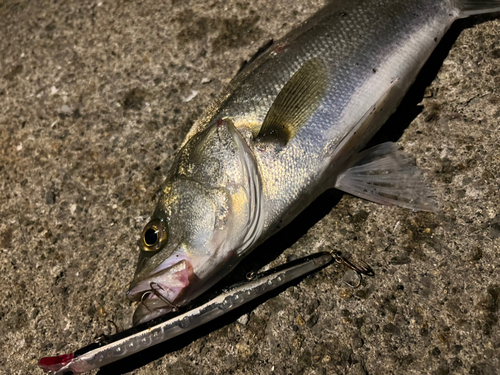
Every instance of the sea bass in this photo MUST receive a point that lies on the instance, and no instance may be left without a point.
(289, 126)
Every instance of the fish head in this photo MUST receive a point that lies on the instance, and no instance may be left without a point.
(208, 214)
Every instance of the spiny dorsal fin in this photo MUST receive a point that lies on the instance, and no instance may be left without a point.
(259, 52)
(295, 103)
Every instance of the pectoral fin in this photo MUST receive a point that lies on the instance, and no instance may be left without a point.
(384, 174)
(295, 103)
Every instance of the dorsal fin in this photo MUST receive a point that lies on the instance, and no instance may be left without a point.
(295, 103)
(259, 52)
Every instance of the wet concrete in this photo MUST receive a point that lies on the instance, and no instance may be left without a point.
(94, 103)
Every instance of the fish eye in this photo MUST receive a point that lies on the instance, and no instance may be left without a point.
(154, 236)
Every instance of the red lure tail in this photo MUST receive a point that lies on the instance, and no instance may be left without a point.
(55, 363)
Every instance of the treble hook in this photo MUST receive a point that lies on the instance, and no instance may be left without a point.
(143, 297)
(159, 292)
(363, 269)
(103, 338)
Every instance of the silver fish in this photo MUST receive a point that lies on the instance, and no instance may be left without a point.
(288, 127)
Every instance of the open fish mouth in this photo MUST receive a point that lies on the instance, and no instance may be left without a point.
(157, 293)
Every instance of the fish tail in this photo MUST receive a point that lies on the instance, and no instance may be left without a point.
(471, 7)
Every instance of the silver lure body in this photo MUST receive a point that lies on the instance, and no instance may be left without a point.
(231, 299)
(230, 189)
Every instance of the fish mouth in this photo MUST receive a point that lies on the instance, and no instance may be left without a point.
(151, 307)
(158, 292)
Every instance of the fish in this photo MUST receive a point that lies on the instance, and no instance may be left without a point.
(292, 124)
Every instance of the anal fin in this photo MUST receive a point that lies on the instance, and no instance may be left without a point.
(384, 174)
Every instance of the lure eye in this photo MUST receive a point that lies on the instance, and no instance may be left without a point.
(154, 236)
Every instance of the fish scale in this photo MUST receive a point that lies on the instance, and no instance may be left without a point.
(340, 40)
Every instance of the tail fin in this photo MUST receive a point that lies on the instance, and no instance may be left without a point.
(472, 7)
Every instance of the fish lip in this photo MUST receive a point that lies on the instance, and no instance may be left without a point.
(158, 292)
(138, 288)
(143, 313)
(152, 306)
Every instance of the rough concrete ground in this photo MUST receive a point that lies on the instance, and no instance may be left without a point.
(94, 103)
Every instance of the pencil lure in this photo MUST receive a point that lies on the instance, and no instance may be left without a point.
(289, 126)
(135, 340)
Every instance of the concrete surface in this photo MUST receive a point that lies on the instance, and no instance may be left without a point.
(93, 98)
